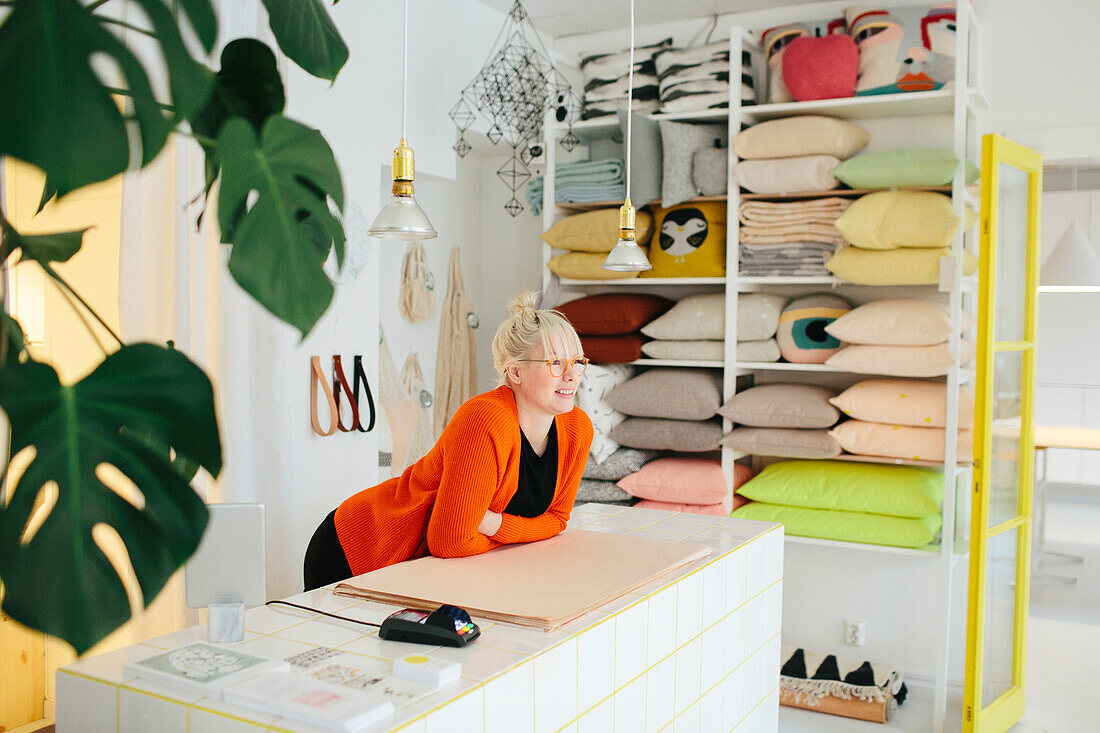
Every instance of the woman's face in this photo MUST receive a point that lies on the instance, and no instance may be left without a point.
(537, 388)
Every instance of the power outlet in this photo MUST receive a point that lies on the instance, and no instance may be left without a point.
(855, 633)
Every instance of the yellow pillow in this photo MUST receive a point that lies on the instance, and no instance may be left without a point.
(893, 267)
(585, 266)
(891, 219)
(595, 231)
(690, 241)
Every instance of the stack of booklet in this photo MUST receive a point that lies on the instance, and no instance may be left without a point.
(201, 669)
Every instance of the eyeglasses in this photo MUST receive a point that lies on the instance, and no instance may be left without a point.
(558, 367)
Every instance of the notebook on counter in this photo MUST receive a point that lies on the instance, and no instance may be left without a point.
(303, 699)
(201, 669)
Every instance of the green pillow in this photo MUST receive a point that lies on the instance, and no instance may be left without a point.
(900, 168)
(898, 491)
(871, 529)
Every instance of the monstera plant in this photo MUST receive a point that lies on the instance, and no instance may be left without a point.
(146, 410)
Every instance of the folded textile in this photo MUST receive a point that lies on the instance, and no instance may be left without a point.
(596, 490)
(784, 260)
(790, 233)
(795, 271)
(812, 211)
(808, 679)
(584, 182)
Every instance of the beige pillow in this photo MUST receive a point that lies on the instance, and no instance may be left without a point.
(904, 402)
(762, 350)
(674, 393)
(585, 266)
(899, 441)
(894, 267)
(595, 231)
(804, 135)
(695, 318)
(685, 350)
(895, 323)
(782, 406)
(758, 315)
(785, 442)
(899, 361)
(891, 219)
(787, 175)
(686, 436)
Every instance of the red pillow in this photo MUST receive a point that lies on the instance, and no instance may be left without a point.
(613, 314)
(821, 68)
(613, 349)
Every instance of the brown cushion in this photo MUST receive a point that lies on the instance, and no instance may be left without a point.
(674, 393)
(613, 314)
(613, 349)
(685, 436)
(786, 442)
(782, 406)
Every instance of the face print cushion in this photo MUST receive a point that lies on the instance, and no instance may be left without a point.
(690, 241)
(801, 335)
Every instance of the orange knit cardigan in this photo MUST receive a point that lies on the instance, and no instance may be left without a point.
(436, 504)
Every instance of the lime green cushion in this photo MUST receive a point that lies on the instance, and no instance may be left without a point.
(871, 529)
(900, 168)
(899, 491)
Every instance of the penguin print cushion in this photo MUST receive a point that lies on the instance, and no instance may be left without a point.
(690, 241)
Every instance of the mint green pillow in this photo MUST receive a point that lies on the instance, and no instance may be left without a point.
(898, 491)
(871, 529)
(901, 168)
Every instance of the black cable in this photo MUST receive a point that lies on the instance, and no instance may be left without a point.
(324, 613)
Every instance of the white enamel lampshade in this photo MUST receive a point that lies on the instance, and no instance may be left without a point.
(1073, 266)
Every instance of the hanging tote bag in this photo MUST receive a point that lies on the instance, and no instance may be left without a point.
(456, 362)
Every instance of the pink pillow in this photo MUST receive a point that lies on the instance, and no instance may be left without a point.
(821, 68)
(668, 506)
(904, 402)
(684, 480)
(900, 361)
(899, 441)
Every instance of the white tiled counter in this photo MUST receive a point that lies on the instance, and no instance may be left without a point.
(697, 650)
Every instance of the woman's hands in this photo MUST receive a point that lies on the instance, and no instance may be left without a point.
(490, 524)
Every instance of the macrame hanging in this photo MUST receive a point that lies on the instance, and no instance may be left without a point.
(513, 92)
(412, 378)
(399, 410)
(456, 359)
(416, 303)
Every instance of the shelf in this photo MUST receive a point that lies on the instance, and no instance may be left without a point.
(647, 281)
(894, 461)
(567, 206)
(931, 551)
(905, 104)
(783, 366)
(679, 363)
(743, 282)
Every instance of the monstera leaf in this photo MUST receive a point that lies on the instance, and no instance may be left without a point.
(280, 241)
(44, 248)
(306, 34)
(56, 578)
(67, 123)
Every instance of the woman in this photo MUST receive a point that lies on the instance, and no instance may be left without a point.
(505, 469)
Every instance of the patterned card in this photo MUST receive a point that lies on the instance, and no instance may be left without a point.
(200, 662)
(400, 691)
(336, 674)
(313, 657)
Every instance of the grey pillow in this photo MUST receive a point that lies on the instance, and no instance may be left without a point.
(679, 142)
(785, 442)
(695, 318)
(757, 315)
(782, 406)
(596, 490)
(686, 436)
(708, 171)
(669, 392)
(646, 161)
(619, 464)
(689, 350)
(763, 350)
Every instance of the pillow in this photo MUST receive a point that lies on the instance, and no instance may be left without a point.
(698, 78)
(690, 241)
(613, 349)
(821, 68)
(686, 436)
(681, 479)
(686, 350)
(762, 350)
(907, 167)
(899, 441)
(758, 316)
(613, 314)
(622, 462)
(782, 406)
(710, 171)
(679, 142)
(602, 491)
(891, 219)
(899, 491)
(790, 137)
(695, 318)
(894, 267)
(669, 392)
(646, 161)
(787, 175)
(785, 442)
(870, 529)
(904, 50)
(900, 361)
(668, 506)
(605, 80)
(775, 42)
(894, 323)
(597, 381)
(585, 266)
(595, 231)
(904, 402)
(801, 334)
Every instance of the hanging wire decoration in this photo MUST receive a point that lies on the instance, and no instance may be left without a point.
(513, 91)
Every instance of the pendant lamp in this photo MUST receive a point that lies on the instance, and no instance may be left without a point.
(1073, 266)
(627, 256)
(402, 218)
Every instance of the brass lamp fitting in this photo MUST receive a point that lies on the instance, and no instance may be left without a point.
(626, 221)
(403, 169)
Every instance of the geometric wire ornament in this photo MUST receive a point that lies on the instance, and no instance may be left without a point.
(513, 92)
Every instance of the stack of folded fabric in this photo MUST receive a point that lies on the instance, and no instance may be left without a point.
(794, 154)
(669, 409)
(606, 78)
(581, 183)
(792, 238)
(699, 78)
(788, 420)
(898, 238)
(601, 475)
(586, 239)
(870, 503)
(684, 484)
(902, 418)
(608, 324)
(839, 686)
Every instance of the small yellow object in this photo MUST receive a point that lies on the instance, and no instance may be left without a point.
(416, 659)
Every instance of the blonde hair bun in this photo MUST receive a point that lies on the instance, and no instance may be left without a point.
(526, 327)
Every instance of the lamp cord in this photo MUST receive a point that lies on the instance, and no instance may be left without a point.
(629, 98)
(404, 67)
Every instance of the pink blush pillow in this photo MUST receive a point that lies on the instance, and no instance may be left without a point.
(821, 68)
(683, 480)
(668, 506)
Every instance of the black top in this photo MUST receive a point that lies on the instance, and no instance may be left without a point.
(538, 476)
